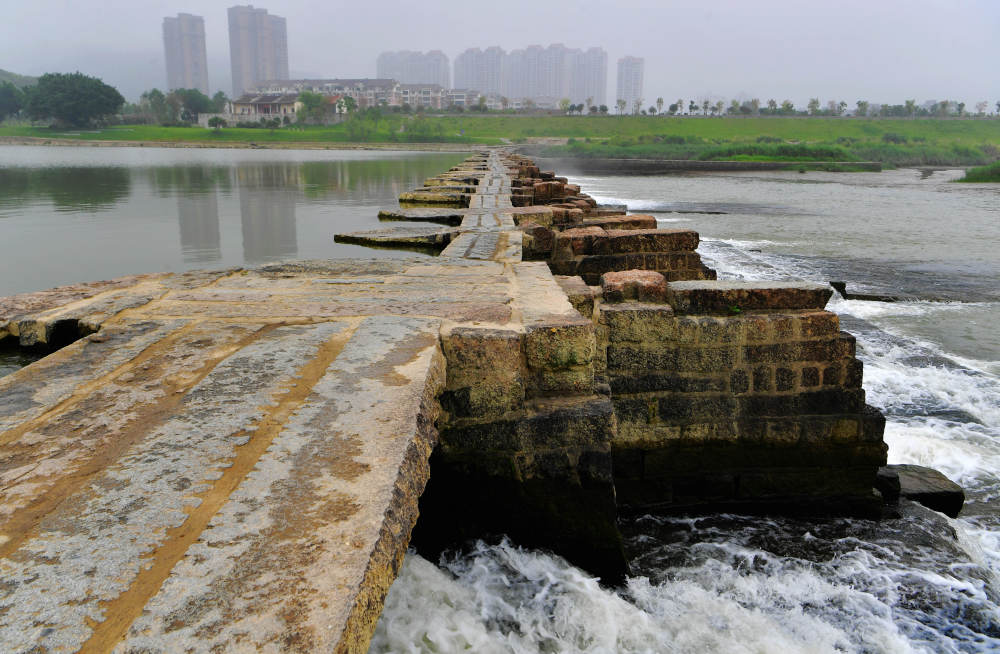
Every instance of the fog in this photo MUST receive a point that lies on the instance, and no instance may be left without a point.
(881, 51)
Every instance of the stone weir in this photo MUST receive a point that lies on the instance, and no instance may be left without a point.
(234, 460)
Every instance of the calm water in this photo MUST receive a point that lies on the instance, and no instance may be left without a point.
(76, 214)
(728, 583)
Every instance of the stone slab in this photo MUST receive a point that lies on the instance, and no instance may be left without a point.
(727, 297)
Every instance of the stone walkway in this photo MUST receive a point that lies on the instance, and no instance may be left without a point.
(232, 459)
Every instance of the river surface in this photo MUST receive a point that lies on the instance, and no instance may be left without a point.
(72, 214)
(723, 583)
(730, 583)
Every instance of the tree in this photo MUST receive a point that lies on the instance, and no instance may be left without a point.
(692, 107)
(862, 109)
(981, 107)
(72, 98)
(313, 107)
(944, 108)
(998, 107)
(636, 105)
(772, 106)
(153, 104)
(620, 105)
(719, 105)
(755, 106)
(961, 108)
(704, 106)
(659, 105)
(564, 105)
(349, 104)
(190, 103)
(504, 102)
(813, 106)
(672, 109)
(911, 107)
(680, 106)
(219, 102)
(604, 108)
(734, 107)
(11, 100)
(216, 122)
(481, 104)
(787, 107)
(651, 111)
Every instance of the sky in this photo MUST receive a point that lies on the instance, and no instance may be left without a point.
(850, 50)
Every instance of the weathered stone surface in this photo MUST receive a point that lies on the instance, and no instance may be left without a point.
(579, 294)
(625, 241)
(641, 285)
(418, 237)
(921, 484)
(713, 297)
(614, 222)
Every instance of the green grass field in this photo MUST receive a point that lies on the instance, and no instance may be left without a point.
(890, 141)
(990, 173)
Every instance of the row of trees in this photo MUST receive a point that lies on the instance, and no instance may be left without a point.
(66, 98)
(180, 106)
(754, 107)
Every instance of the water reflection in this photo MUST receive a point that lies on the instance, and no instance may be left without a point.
(150, 210)
(70, 189)
(267, 210)
(198, 219)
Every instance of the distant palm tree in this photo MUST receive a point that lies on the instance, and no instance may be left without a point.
(704, 106)
(659, 105)
(911, 108)
(620, 104)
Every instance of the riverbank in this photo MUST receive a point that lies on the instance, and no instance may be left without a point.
(235, 145)
(890, 142)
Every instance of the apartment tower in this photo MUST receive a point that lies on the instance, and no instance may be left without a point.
(630, 73)
(184, 48)
(258, 47)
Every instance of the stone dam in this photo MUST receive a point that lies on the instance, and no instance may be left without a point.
(235, 460)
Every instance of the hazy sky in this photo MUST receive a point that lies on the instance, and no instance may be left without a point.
(879, 50)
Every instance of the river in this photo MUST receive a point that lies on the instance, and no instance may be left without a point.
(729, 583)
(723, 583)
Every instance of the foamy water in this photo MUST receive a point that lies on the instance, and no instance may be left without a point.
(920, 583)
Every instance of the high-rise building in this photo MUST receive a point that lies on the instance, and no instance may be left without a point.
(589, 77)
(409, 67)
(184, 47)
(630, 73)
(258, 47)
(480, 70)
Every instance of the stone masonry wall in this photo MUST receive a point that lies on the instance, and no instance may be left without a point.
(735, 394)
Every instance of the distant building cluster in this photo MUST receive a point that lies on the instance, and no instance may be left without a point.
(408, 67)
(490, 78)
(542, 75)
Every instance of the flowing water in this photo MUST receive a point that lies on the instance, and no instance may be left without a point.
(729, 583)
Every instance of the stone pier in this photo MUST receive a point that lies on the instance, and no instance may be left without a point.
(235, 460)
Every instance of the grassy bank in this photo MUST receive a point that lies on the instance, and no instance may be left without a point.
(990, 173)
(894, 142)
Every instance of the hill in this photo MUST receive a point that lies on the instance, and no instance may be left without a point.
(20, 81)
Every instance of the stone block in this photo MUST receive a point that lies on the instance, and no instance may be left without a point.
(641, 356)
(632, 221)
(577, 241)
(637, 323)
(739, 382)
(706, 359)
(559, 346)
(819, 324)
(580, 295)
(484, 371)
(784, 379)
(641, 285)
(688, 409)
(647, 240)
(725, 298)
(772, 353)
(930, 488)
(658, 381)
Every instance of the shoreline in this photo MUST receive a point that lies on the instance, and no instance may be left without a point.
(238, 145)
